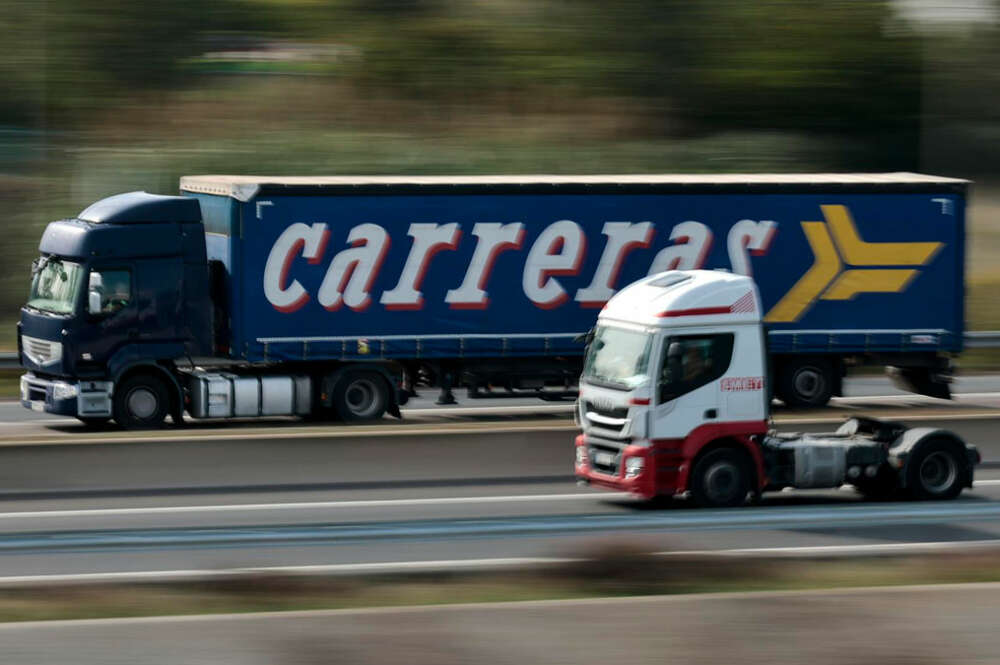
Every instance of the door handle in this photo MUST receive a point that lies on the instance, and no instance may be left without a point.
(711, 414)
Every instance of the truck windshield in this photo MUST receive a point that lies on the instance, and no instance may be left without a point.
(55, 285)
(617, 358)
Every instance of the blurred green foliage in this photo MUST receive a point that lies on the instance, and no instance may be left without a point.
(101, 96)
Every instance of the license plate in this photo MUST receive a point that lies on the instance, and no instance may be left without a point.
(38, 406)
(604, 459)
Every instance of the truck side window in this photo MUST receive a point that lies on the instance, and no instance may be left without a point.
(115, 287)
(689, 362)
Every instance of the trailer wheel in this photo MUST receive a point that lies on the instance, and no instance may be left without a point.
(936, 471)
(720, 479)
(361, 395)
(806, 382)
(141, 402)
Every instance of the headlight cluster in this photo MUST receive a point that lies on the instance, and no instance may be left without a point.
(581, 456)
(634, 466)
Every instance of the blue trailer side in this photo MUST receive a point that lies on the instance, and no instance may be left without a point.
(872, 272)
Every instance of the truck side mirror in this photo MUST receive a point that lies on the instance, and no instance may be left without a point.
(93, 302)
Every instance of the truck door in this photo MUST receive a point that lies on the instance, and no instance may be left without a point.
(110, 312)
(687, 390)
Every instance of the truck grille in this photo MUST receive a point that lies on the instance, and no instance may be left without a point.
(41, 351)
(610, 419)
(605, 459)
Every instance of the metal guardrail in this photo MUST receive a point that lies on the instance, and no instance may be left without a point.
(982, 339)
(976, 339)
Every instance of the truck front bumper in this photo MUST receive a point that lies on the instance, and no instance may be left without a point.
(81, 399)
(631, 471)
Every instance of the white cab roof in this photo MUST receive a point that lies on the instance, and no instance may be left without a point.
(686, 298)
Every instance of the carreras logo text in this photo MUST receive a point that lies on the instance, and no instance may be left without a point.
(559, 251)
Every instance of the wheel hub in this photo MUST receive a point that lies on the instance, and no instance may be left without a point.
(142, 403)
(808, 382)
(721, 481)
(361, 397)
(938, 472)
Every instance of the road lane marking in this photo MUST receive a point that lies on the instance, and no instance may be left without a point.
(334, 534)
(81, 437)
(307, 505)
(350, 504)
(853, 549)
(501, 563)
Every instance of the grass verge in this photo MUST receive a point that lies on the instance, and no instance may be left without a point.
(612, 572)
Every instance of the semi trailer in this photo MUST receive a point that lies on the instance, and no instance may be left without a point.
(674, 400)
(252, 296)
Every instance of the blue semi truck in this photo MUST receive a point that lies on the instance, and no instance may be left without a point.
(334, 297)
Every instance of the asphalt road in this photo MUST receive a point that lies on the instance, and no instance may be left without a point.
(446, 487)
(401, 495)
(929, 626)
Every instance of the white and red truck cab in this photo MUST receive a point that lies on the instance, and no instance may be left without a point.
(674, 399)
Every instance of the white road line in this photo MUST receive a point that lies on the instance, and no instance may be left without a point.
(339, 505)
(40, 421)
(450, 565)
(328, 569)
(910, 397)
(367, 503)
(841, 417)
(851, 549)
(409, 429)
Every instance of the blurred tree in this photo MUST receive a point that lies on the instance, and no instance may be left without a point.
(89, 54)
(817, 66)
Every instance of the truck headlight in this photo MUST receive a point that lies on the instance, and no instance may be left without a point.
(581, 456)
(64, 390)
(24, 387)
(634, 466)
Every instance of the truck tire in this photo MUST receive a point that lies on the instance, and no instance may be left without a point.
(141, 402)
(721, 478)
(361, 395)
(936, 471)
(806, 382)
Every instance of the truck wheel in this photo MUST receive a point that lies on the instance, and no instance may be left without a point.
(361, 396)
(936, 471)
(720, 479)
(806, 382)
(141, 402)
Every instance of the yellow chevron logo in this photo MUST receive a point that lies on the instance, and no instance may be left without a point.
(836, 243)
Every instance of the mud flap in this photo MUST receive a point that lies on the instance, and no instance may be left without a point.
(921, 380)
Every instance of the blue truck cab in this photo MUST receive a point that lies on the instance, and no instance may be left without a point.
(116, 293)
(254, 296)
